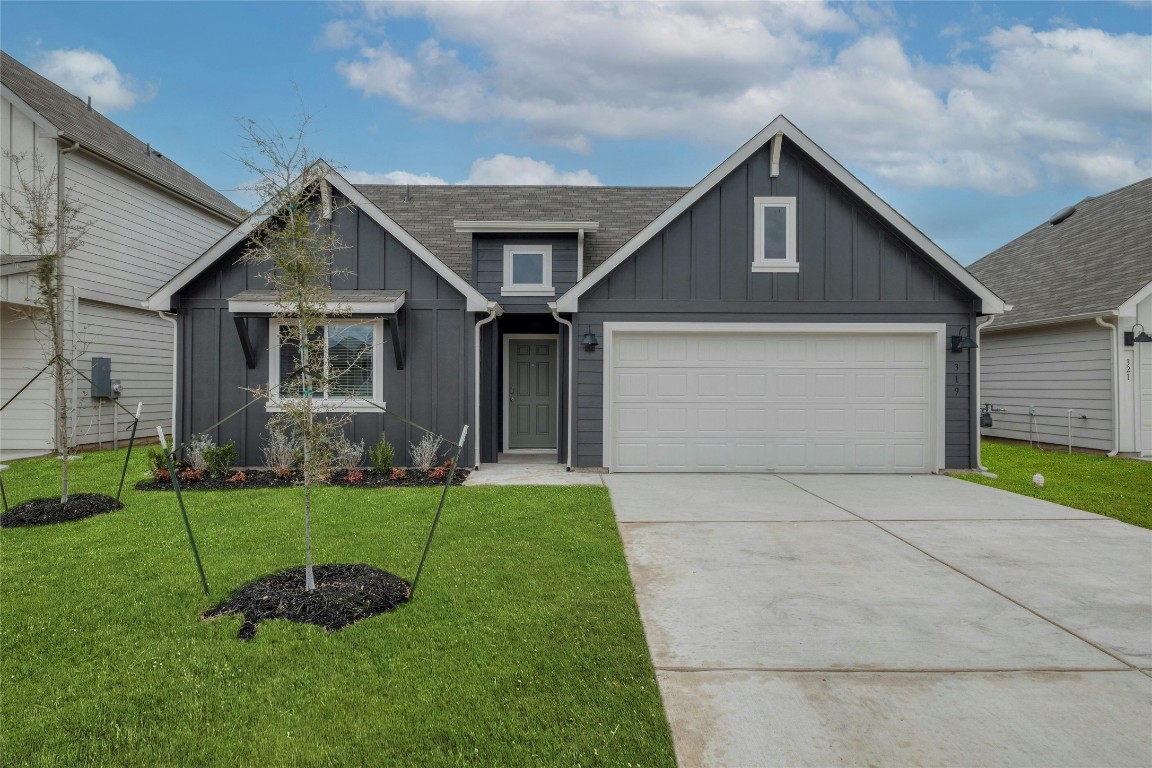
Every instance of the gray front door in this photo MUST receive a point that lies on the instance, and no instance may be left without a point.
(531, 393)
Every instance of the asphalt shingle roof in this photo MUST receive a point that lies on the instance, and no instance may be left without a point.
(72, 116)
(1092, 261)
(428, 213)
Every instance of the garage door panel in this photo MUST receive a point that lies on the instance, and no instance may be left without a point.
(762, 401)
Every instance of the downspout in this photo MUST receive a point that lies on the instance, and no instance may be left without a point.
(493, 313)
(571, 366)
(1115, 386)
(976, 377)
(172, 319)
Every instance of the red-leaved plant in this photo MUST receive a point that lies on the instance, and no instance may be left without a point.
(353, 476)
(239, 477)
(397, 474)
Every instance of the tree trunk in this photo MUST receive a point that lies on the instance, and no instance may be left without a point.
(60, 375)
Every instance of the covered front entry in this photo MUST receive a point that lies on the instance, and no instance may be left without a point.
(530, 392)
(787, 398)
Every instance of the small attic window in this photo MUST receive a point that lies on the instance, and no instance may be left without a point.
(774, 238)
(1061, 215)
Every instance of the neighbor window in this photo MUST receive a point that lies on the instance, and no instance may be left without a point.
(528, 271)
(351, 363)
(774, 234)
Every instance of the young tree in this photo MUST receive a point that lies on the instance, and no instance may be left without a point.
(45, 218)
(295, 250)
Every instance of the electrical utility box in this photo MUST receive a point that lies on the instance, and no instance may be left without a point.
(101, 377)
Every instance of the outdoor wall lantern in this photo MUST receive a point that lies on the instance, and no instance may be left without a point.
(589, 341)
(1131, 336)
(963, 341)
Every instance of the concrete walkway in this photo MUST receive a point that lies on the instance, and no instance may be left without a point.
(531, 469)
(817, 620)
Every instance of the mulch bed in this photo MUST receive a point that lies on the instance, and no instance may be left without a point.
(344, 594)
(266, 478)
(49, 511)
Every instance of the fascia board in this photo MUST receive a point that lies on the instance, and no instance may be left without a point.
(525, 226)
(1129, 306)
(991, 304)
(476, 301)
(994, 329)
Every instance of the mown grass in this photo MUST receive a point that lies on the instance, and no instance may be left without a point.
(522, 647)
(1116, 487)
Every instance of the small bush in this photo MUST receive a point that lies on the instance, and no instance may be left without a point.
(397, 474)
(191, 475)
(156, 461)
(441, 471)
(195, 452)
(161, 475)
(354, 476)
(382, 455)
(424, 453)
(279, 451)
(219, 460)
(346, 454)
(239, 477)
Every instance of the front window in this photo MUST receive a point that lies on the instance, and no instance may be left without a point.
(528, 270)
(351, 363)
(775, 235)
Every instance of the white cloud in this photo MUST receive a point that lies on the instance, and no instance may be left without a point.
(717, 72)
(88, 73)
(506, 169)
(392, 177)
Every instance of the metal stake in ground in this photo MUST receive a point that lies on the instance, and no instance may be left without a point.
(439, 509)
(184, 512)
(131, 441)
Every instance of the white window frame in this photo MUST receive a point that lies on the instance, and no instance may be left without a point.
(789, 263)
(542, 289)
(345, 405)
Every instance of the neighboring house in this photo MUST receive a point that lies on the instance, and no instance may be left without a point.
(777, 316)
(149, 218)
(1062, 365)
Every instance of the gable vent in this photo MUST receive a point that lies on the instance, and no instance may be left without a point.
(1061, 215)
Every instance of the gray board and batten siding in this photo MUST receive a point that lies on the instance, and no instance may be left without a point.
(434, 389)
(1053, 370)
(853, 269)
(488, 267)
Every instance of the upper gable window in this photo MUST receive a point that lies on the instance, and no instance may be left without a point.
(775, 234)
(527, 271)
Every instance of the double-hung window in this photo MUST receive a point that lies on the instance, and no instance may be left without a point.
(527, 271)
(351, 364)
(774, 228)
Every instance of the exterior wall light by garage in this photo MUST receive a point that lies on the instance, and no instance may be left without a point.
(962, 341)
(1131, 337)
(589, 341)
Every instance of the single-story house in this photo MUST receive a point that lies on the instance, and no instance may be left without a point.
(1071, 363)
(149, 218)
(777, 316)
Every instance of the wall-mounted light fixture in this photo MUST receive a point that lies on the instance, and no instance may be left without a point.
(1131, 337)
(589, 341)
(963, 341)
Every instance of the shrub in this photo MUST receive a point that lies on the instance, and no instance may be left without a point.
(239, 477)
(382, 455)
(219, 460)
(423, 454)
(346, 454)
(353, 476)
(195, 452)
(397, 474)
(441, 471)
(279, 451)
(156, 462)
(191, 475)
(161, 475)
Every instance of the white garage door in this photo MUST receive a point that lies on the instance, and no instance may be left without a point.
(788, 402)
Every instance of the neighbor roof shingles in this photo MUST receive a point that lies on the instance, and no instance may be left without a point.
(428, 212)
(1093, 261)
(72, 116)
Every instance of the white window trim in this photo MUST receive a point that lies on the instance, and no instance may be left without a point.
(543, 289)
(789, 263)
(348, 405)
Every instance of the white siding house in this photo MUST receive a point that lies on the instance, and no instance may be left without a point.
(148, 218)
(1065, 365)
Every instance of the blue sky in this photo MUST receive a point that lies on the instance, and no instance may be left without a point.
(975, 120)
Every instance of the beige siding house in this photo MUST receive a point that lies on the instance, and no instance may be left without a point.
(1067, 364)
(149, 218)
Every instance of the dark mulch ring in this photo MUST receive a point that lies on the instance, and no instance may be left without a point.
(344, 594)
(49, 511)
(266, 478)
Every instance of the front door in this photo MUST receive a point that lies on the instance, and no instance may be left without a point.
(531, 393)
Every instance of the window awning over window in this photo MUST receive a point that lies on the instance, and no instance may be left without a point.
(374, 303)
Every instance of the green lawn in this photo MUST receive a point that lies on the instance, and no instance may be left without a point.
(1116, 487)
(523, 646)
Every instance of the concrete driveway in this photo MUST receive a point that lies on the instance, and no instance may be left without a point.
(818, 620)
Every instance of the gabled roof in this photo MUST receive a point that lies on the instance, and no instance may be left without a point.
(161, 300)
(1092, 262)
(430, 213)
(98, 134)
(991, 303)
